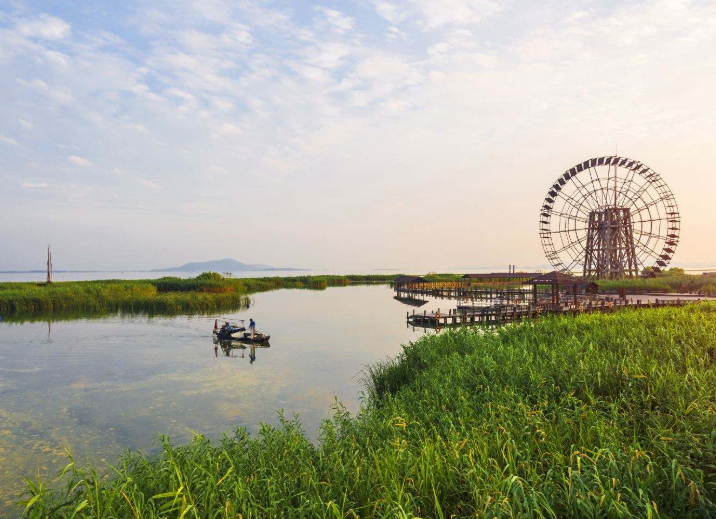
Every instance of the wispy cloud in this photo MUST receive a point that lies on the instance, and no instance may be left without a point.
(337, 21)
(29, 185)
(80, 161)
(136, 127)
(43, 26)
(227, 129)
(8, 140)
(149, 184)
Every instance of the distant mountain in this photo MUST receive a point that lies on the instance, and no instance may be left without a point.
(223, 265)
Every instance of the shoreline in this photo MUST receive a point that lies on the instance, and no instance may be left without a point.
(517, 430)
(211, 292)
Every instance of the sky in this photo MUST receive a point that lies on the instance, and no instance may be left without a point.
(411, 134)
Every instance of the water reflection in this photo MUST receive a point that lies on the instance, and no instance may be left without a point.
(99, 385)
(233, 349)
(411, 301)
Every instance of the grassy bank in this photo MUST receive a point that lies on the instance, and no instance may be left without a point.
(205, 293)
(668, 282)
(594, 416)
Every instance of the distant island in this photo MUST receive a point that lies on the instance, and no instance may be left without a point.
(224, 265)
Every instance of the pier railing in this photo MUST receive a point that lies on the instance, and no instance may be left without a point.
(503, 314)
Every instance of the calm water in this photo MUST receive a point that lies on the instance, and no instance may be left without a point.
(99, 385)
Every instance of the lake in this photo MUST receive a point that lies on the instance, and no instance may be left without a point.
(97, 386)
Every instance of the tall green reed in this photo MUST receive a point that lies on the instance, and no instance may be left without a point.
(593, 416)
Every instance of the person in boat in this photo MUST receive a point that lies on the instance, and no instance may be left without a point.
(252, 327)
(229, 329)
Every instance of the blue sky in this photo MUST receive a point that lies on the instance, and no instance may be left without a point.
(416, 134)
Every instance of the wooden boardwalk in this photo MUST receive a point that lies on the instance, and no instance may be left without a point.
(468, 293)
(505, 314)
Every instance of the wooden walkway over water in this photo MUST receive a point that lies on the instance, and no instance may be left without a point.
(467, 292)
(505, 314)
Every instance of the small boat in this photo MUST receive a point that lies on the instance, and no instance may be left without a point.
(257, 338)
(226, 333)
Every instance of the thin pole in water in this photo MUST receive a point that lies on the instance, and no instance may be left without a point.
(49, 265)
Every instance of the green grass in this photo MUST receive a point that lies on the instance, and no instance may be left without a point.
(169, 295)
(205, 293)
(594, 416)
(665, 283)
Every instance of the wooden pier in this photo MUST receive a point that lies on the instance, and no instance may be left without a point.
(466, 292)
(505, 314)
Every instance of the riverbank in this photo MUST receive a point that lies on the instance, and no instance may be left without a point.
(593, 416)
(670, 282)
(205, 293)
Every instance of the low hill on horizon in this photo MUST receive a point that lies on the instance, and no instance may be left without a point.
(223, 265)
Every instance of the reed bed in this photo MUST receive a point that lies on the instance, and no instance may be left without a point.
(667, 282)
(205, 293)
(593, 416)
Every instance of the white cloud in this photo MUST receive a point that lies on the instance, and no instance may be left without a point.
(389, 10)
(43, 26)
(7, 140)
(56, 58)
(396, 34)
(434, 14)
(136, 127)
(438, 13)
(227, 129)
(26, 124)
(237, 35)
(438, 49)
(80, 161)
(61, 95)
(328, 54)
(149, 184)
(29, 185)
(339, 22)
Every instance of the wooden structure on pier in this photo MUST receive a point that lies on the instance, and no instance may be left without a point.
(500, 277)
(555, 279)
(496, 287)
(608, 218)
(500, 315)
(407, 283)
(585, 287)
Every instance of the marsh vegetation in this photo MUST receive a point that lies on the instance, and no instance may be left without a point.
(674, 280)
(206, 293)
(593, 416)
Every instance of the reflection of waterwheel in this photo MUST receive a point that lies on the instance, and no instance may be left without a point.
(609, 218)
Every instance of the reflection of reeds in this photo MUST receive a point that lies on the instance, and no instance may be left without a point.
(593, 416)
